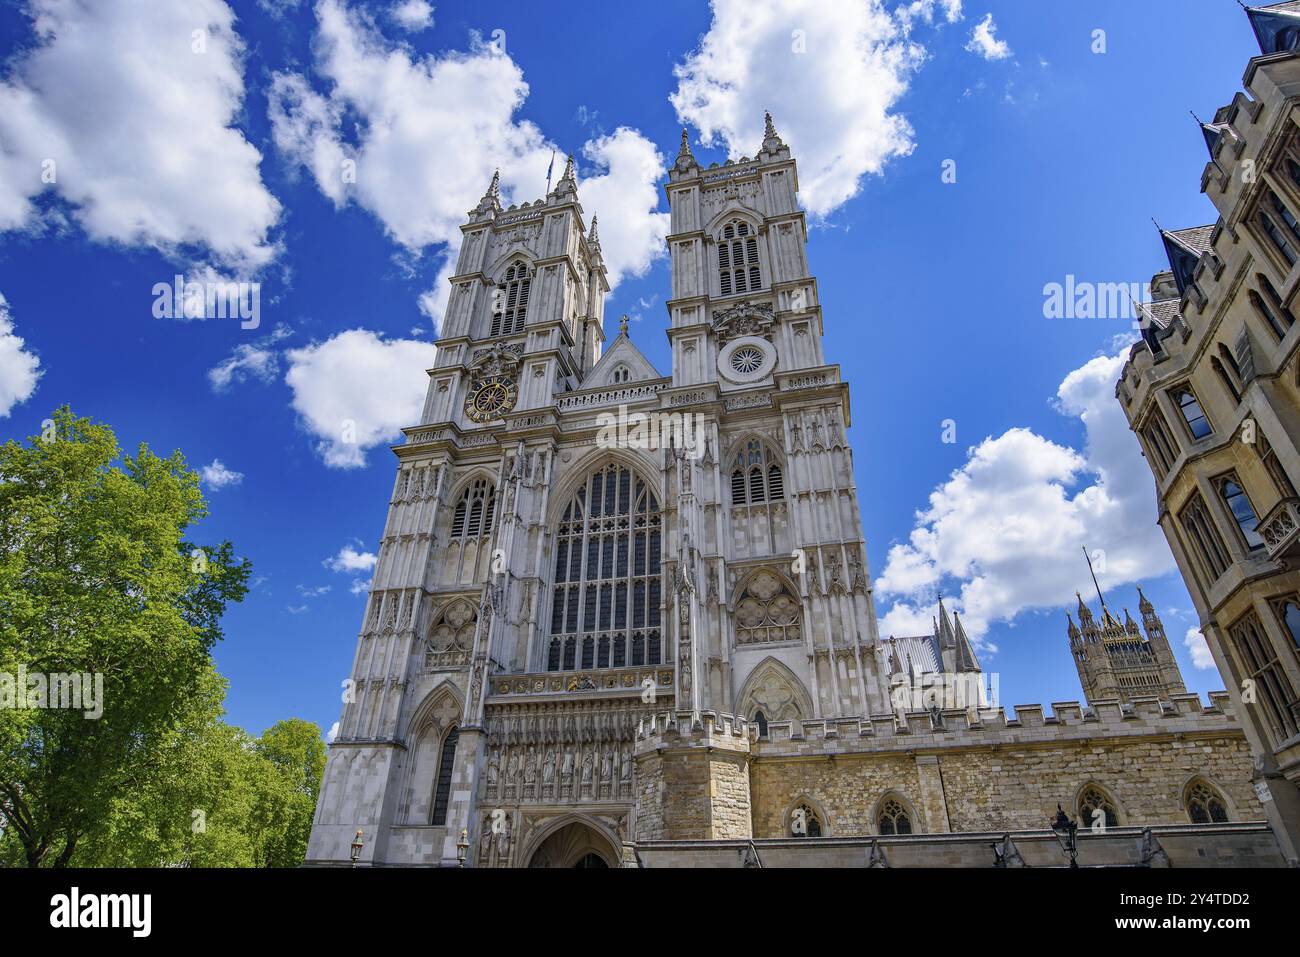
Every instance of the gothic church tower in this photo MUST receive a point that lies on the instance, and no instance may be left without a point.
(542, 592)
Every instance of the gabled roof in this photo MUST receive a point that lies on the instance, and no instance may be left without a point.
(621, 352)
(1277, 27)
(918, 652)
(1184, 248)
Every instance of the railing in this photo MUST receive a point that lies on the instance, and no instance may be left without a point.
(1280, 529)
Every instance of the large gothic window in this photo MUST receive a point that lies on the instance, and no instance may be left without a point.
(767, 611)
(510, 301)
(738, 268)
(605, 602)
(756, 476)
(442, 787)
(473, 515)
(1205, 805)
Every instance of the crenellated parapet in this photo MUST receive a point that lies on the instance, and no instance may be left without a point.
(1067, 721)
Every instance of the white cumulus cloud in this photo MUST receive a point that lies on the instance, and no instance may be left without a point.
(830, 73)
(349, 559)
(1202, 658)
(412, 15)
(984, 41)
(413, 139)
(216, 476)
(357, 390)
(126, 111)
(1003, 529)
(19, 369)
(257, 360)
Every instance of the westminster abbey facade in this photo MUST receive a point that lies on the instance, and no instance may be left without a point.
(582, 648)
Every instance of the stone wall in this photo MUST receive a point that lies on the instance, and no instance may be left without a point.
(693, 780)
(960, 773)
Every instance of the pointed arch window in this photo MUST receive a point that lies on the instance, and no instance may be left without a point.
(894, 818)
(805, 821)
(756, 476)
(621, 374)
(738, 267)
(1205, 805)
(1094, 800)
(760, 719)
(605, 601)
(1283, 239)
(1197, 423)
(510, 301)
(442, 786)
(1268, 455)
(1243, 513)
(473, 515)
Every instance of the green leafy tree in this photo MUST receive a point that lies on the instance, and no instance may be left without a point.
(97, 576)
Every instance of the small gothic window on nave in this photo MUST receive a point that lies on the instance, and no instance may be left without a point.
(1205, 805)
(894, 818)
(1091, 800)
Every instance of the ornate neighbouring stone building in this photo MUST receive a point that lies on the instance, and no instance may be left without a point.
(1213, 394)
(1117, 662)
(585, 649)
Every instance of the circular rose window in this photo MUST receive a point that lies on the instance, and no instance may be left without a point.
(746, 359)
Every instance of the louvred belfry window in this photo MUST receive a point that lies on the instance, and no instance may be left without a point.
(756, 476)
(605, 600)
(473, 515)
(510, 301)
(738, 268)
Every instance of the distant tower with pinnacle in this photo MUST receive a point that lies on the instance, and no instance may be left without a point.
(1115, 661)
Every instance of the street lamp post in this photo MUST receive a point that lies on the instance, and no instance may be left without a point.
(1067, 832)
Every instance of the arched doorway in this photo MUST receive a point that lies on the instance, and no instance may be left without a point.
(575, 845)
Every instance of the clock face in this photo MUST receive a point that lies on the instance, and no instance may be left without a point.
(490, 398)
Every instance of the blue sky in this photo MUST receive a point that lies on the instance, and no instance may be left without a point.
(225, 162)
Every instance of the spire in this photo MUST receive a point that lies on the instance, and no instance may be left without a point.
(771, 141)
(1085, 613)
(1212, 134)
(1130, 625)
(895, 665)
(1073, 630)
(592, 238)
(946, 637)
(567, 183)
(1144, 605)
(492, 198)
(966, 660)
(685, 159)
(1277, 31)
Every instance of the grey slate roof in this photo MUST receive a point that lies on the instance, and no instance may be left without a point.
(1197, 237)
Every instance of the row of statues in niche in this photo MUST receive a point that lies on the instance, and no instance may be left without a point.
(534, 772)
